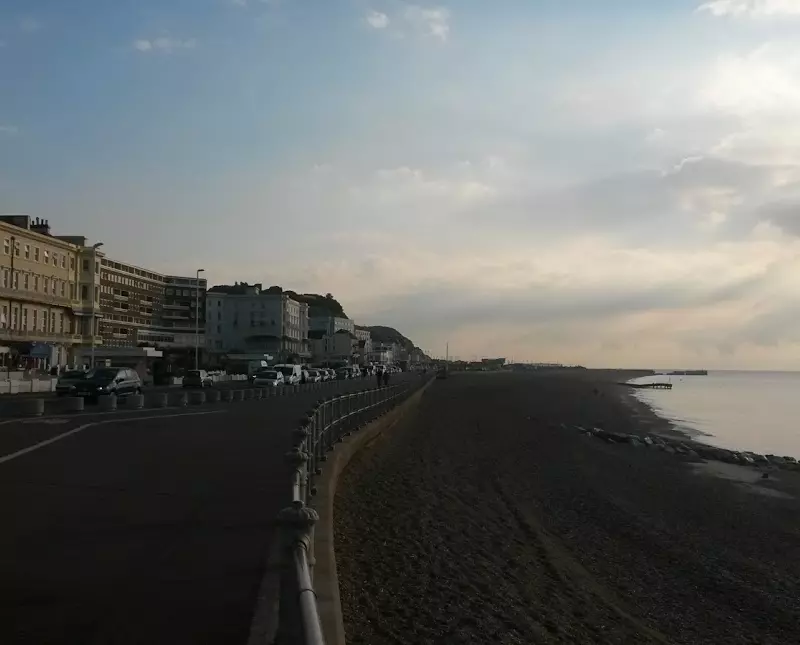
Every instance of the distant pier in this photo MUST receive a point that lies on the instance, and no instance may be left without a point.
(651, 386)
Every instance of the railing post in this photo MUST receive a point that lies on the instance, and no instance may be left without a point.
(297, 541)
(297, 459)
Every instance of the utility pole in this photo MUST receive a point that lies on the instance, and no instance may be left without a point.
(197, 319)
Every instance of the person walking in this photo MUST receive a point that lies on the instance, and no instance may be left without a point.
(380, 378)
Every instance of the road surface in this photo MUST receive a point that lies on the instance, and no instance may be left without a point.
(142, 527)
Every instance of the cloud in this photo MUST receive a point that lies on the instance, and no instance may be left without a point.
(377, 20)
(29, 25)
(434, 22)
(9, 130)
(752, 8)
(412, 20)
(164, 44)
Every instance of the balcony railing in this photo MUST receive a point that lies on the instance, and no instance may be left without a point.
(26, 295)
(35, 336)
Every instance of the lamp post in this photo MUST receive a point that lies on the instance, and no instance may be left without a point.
(93, 322)
(197, 320)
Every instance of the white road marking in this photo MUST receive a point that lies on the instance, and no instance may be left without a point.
(69, 433)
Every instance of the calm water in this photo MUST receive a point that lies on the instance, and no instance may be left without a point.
(757, 411)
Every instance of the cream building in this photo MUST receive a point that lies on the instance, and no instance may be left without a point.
(49, 293)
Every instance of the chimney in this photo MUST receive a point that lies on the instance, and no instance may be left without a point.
(41, 226)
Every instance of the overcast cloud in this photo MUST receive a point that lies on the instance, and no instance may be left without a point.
(612, 186)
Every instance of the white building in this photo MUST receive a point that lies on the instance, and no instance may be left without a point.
(330, 324)
(339, 347)
(244, 319)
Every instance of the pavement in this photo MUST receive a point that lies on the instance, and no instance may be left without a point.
(142, 527)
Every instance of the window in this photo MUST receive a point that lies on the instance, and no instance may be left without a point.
(168, 292)
(6, 246)
(14, 317)
(46, 284)
(84, 292)
(24, 318)
(36, 253)
(97, 267)
(219, 329)
(5, 278)
(72, 263)
(63, 289)
(86, 265)
(16, 249)
(35, 319)
(27, 251)
(26, 282)
(53, 286)
(61, 322)
(15, 281)
(4, 317)
(72, 290)
(63, 261)
(97, 293)
(52, 321)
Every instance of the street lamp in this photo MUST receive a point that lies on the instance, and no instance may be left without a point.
(93, 323)
(197, 320)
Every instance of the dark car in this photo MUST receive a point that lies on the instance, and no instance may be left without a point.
(441, 372)
(66, 382)
(197, 378)
(102, 381)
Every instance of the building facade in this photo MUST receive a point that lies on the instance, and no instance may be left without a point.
(49, 293)
(243, 319)
(141, 307)
(341, 347)
(330, 324)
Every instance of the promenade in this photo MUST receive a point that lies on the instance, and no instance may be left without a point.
(149, 526)
(487, 517)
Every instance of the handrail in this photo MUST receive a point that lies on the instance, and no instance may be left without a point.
(325, 425)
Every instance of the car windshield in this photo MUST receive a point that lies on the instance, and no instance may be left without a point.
(102, 374)
(74, 374)
(194, 373)
(287, 371)
(268, 375)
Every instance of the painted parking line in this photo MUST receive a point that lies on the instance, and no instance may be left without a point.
(69, 433)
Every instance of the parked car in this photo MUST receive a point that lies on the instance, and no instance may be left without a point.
(441, 372)
(104, 381)
(65, 386)
(313, 376)
(197, 378)
(292, 374)
(343, 373)
(268, 378)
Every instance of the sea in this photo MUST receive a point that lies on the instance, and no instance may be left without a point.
(755, 411)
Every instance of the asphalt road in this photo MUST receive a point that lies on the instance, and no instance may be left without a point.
(143, 527)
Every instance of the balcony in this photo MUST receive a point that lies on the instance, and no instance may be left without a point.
(38, 297)
(118, 296)
(36, 336)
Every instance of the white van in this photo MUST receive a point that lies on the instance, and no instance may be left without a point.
(291, 373)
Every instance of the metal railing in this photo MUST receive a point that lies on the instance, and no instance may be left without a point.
(327, 424)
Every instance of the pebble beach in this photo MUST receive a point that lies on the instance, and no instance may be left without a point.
(497, 512)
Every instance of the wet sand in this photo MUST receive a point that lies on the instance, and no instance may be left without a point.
(483, 519)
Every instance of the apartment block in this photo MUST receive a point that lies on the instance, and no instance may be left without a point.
(244, 319)
(49, 292)
(141, 307)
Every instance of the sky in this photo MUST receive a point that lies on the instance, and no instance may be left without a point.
(607, 183)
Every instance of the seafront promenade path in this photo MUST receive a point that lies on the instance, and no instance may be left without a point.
(149, 526)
